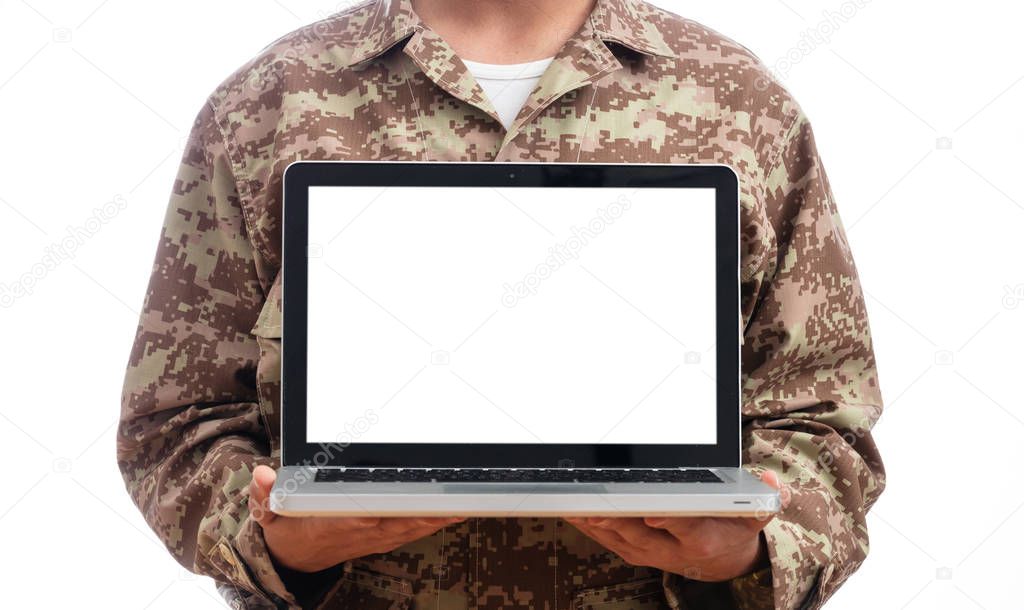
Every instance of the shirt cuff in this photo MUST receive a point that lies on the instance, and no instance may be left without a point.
(794, 574)
(255, 569)
(684, 594)
(753, 591)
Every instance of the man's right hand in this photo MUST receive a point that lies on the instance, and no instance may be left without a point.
(311, 544)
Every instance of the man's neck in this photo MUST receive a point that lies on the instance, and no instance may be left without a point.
(504, 31)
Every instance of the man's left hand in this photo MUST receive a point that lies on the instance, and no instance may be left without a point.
(710, 549)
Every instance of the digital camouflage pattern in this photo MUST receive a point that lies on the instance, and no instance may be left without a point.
(635, 84)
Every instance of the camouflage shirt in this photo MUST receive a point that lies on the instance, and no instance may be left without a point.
(635, 84)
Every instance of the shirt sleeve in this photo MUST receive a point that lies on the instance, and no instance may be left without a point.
(810, 388)
(190, 429)
(810, 384)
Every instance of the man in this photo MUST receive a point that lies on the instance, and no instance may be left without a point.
(386, 80)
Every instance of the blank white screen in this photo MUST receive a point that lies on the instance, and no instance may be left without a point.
(511, 315)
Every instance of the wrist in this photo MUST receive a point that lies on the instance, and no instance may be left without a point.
(761, 559)
(755, 559)
(308, 587)
(742, 561)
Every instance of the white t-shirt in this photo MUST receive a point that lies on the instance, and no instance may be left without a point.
(508, 86)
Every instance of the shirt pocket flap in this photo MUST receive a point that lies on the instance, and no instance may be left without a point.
(643, 594)
(358, 588)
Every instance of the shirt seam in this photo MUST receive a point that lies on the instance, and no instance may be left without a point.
(239, 168)
(776, 154)
(775, 159)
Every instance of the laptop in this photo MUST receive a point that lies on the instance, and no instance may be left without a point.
(483, 339)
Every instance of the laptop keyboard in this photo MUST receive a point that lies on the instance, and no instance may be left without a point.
(524, 475)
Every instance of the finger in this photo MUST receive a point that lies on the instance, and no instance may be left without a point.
(420, 532)
(678, 527)
(388, 542)
(439, 521)
(262, 483)
(400, 526)
(380, 528)
(601, 534)
(611, 541)
(347, 524)
(636, 533)
(784, 492)
(710, 531)
(770, 477)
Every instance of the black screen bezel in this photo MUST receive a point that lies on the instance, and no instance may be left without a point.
(300, 176)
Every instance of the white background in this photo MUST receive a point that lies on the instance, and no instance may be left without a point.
(936, 231)
(511, 315)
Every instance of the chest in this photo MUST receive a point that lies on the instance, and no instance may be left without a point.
(398, 113)
(393, 112)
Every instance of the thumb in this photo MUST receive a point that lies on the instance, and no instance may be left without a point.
(772, 478)
(263, 478)
(769, 477)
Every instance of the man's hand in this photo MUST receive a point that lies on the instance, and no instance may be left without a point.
(311, 544)
(710, 549)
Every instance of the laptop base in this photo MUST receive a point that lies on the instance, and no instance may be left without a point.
(739, 494)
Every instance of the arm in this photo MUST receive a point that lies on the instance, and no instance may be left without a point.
(191, 430)
(810, 384)
(193, 447)
(810, 399)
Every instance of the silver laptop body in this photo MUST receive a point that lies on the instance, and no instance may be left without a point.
(480, 339)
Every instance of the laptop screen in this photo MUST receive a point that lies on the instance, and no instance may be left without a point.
(511, 315)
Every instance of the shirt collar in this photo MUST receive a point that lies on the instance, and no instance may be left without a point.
(629, 23)
(632, 24)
